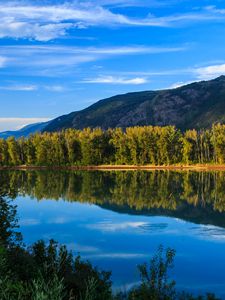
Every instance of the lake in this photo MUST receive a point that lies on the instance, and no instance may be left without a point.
(117, 219)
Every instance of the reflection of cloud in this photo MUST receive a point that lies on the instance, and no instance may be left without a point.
(29, 222)
(140, 226)
(210, 232)
(125, 287)
(59, 220)
(115, 255)
(82, 248)
(109, 226)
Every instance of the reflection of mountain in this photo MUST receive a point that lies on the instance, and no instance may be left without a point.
(190, 213)
(194, 196)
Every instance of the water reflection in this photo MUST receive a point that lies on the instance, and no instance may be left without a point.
(118, 219)
(195, 196)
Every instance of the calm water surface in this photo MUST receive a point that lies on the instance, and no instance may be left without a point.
(118, 219)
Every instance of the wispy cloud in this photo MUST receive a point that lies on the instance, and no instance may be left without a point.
(132, 3)
(21, 88)
(55, 88)
(47, 22)
(49, 57)
(116, 80)
(179, 84)
(2, 61)
(210, 72)
(214, 9)
(195, 73)
(32, 87)
(44, 23)
(110, 226)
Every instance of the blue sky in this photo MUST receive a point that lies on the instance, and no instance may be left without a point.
(61, 56)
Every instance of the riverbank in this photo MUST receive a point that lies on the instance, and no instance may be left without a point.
(197, 167)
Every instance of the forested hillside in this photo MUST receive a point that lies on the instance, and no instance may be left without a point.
(197, 105)
(136, 146)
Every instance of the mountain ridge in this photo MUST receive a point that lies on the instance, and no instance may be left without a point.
(196, 105)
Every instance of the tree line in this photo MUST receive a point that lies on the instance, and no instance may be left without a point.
(140, 145)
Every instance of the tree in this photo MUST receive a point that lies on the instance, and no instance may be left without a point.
(14, 151)
(155, 284)
(4, 154)
(8, 224)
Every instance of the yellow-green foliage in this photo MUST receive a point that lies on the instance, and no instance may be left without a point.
(136, 146)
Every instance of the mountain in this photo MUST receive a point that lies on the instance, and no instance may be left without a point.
(196, 105)
(25, 131)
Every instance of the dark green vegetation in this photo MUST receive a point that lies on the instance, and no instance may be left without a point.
(197, 105)
(198, 197)
(136, 146)
(49, 272)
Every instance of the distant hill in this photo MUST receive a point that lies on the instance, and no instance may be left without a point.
(25, 131)
(196, 105)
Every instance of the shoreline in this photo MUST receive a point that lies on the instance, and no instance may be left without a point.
(203, 167)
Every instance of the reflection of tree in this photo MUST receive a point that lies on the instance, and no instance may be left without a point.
(44, 271)
(8, 223)
(137, 190)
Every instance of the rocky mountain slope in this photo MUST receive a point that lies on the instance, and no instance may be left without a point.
(197, 105)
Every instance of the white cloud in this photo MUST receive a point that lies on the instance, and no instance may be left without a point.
(210, 72)
(117, 80)
(17, 123)
(47, 22)
(44, 23)
(38, 32)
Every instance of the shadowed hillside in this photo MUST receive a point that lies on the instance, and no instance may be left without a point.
(197, 105)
